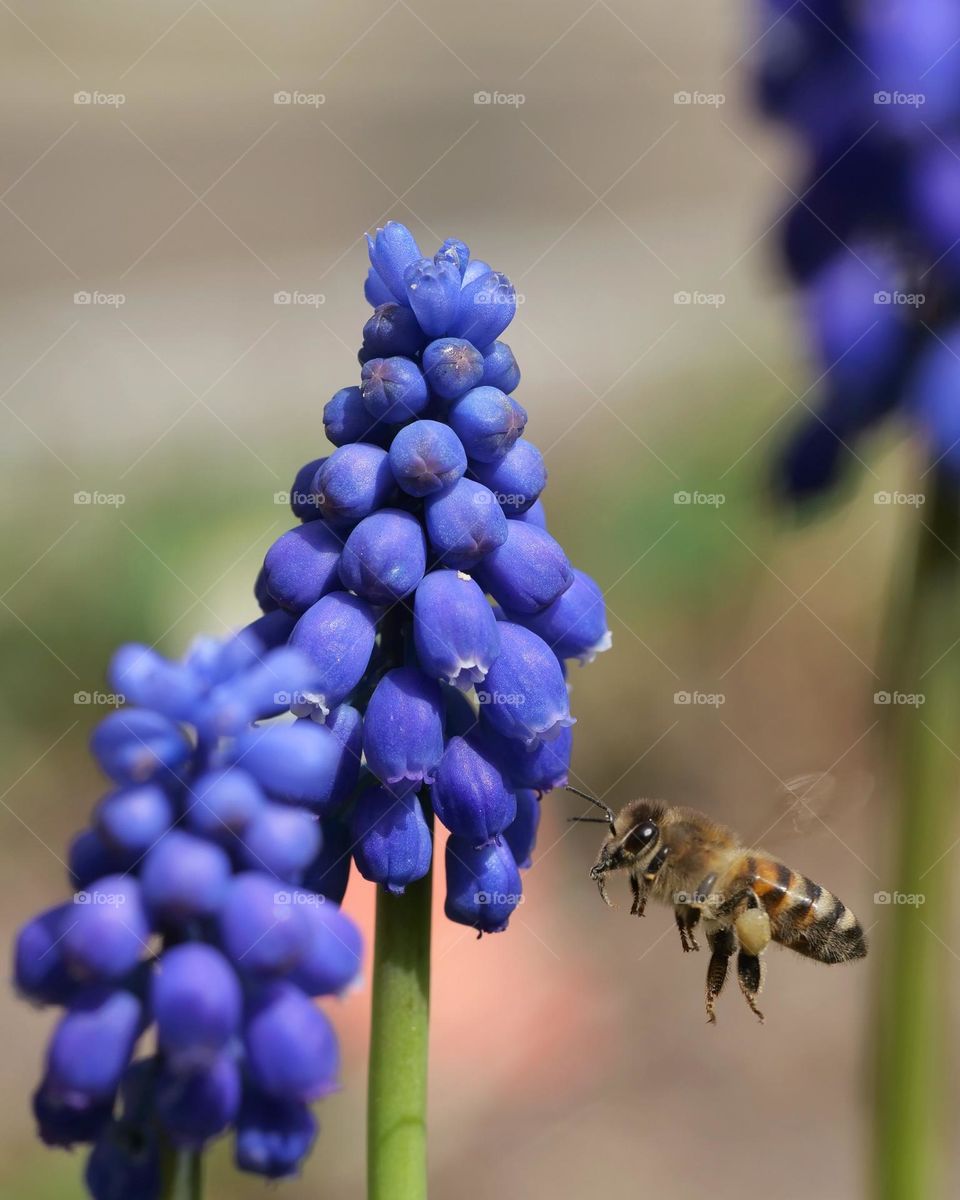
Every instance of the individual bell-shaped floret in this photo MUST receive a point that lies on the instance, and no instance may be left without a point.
(353, 482)
(385, 556)
(132, 745)
(526, 573)
(261, 932)
(433, 292)
(575, 624)
(483, 884)
(183, 877)
(301, 762)
(392, 845)
(346, 420)
(542, 768)
(334, 951)
(147, 679)
(487, 422)
(392, 250)
(469, 795)
(393, 389)
(337, 635)
(68, 1121)
(222, 803)
(451, 367)
(273, 1136)
(516, 479)
(107, 933)
(195, 1107)
(426, 457)
(92, 1044)
(392, 330)
(403, 730)
(301, 566)
(281, 840)
(454, 629)
(500, 368)
(464, 524)
(130, 820)
(487, 306)
(39, 970)
(197, 1003)
(525, 695)
(292, 1051)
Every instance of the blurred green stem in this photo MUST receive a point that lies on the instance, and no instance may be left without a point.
(399, 1031)
(182, 1172)
(911, 1032)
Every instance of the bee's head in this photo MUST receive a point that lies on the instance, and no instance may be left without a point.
(633, 840)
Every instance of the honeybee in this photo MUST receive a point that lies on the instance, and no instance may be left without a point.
(744, 898)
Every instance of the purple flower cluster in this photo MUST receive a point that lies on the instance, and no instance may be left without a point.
(205, 908)
(426, 509)
(872, 238)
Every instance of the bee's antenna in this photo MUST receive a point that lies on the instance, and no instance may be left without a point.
(596, 803)
(589, 820)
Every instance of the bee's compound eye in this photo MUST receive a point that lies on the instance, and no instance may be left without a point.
(641, 836)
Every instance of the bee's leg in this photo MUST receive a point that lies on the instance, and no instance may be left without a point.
(750, 978)
(722, 945)
(687, 920)
(640, 892)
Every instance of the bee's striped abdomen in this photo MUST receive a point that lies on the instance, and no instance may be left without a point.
(803, 915)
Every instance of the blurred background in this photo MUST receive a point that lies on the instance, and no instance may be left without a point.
(185, 189)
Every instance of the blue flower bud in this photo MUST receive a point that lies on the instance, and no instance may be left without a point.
(106, 935)
(521, 836)
(197, 1003)
(469, 795)
(454, 629)
(301, 566)
(346, 420)
(262, 933)
(89, 858)
(540, 768)
(393, 389)
(291, 1048)
(273, 1136)
(303, 500)
(125, 1162)
(384, 557)
(39, 972)
(426, 457)
(91, 1045)
(329, 872)
(487, 306)
(334, 950)
(500, 368)
(433, 292)
(222, 803)
(464, 523)
(575, 624)
(528, 572)
(525, 694)
(337, 634)
(516, 479)
(474, 270)
(196, 1107)
(392, 329)
(534, 515)
(64, 1122)
(282, 841)
(392, 843)
(488, 422)
(300, 762)
(403, 730)
(452, 367)
(393, 250)
(184, 877)
(145, 678)
(483, 884)
(132, 819)
(271, 630)
(132, 745)
(375, 291)
(353, 482)
(456, 251)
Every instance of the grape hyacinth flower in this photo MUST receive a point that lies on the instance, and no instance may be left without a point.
(184, 925)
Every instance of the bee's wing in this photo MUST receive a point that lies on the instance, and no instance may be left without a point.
(809, 804)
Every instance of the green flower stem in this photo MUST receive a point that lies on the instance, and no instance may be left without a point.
(399, 1033)
(182, 1173)
(911, 1050)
